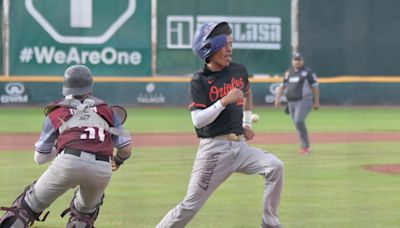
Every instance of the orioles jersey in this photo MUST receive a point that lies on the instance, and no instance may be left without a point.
(208, 87)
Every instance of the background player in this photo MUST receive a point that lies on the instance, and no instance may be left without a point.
(219, 93)
(77, 135)
(301, 96)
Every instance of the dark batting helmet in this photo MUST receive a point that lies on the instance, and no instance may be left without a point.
(78, 81)
(297, 56)
(203, 45)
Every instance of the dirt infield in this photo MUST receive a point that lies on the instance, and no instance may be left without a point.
(393, 169)
(18, 142)
(15, 142)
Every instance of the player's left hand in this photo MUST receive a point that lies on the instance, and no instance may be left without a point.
(316, 105)
(248, 133)
(115, 167)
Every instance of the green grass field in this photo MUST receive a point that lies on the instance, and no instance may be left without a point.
(328, 188)
(175, 120)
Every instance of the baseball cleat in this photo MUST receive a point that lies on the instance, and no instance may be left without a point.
(305, 151)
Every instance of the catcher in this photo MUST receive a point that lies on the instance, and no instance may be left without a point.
(79, 133)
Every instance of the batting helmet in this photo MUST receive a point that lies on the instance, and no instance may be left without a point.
(78, 81)
(203, 45)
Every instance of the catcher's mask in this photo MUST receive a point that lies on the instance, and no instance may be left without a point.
(203, 45)
(78, 81)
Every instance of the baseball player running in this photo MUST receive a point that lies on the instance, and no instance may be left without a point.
(79, 133)
(220, 92)
(302, 94)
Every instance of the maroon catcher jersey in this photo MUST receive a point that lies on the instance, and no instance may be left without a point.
(207, 87)
(90, 139)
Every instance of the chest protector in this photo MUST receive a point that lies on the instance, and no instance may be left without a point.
(85, 115)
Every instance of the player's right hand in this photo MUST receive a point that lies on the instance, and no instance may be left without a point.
(316, 105)
(277, 103)
(233, 96)
(248, 133)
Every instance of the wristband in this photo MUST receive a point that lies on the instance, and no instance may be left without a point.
(247, 118)
(120, 160)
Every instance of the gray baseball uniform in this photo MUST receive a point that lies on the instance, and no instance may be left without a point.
(80, 133)
(223, 150)
(300, 99)
(84, 159)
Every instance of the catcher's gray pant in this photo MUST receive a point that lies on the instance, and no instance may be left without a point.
(216, 160)
(298, 111)
(68, 171)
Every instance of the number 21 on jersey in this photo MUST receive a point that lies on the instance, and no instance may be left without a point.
(90, 133)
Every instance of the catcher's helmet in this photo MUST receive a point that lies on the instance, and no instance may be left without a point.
(204, 46)
(78, 81)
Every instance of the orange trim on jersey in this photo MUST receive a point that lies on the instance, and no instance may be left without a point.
(197, 105)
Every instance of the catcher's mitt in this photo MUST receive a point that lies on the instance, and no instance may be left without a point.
(120, 112)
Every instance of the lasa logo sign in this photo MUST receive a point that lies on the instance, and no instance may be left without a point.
(14, 93)
(248, 32)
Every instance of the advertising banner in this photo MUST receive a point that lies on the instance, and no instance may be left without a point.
(172, 94)
(49, 35)
(261, 33)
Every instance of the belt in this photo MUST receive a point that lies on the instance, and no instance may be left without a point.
(229, 137)
(78, 154)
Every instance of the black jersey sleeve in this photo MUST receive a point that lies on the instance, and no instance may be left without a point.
(312, 77)
(197, 94)
(285, 78)
(246, 81)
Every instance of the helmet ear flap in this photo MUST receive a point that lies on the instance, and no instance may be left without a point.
(207, 49)
(201, 45)
(207, 46)
(206, 41)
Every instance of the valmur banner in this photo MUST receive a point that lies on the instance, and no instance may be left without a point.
(49, 35)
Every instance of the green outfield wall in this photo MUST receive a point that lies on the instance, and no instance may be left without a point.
(116, 39)
(351, 45)
(1, 41)
(112, 39)
(356, 37)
